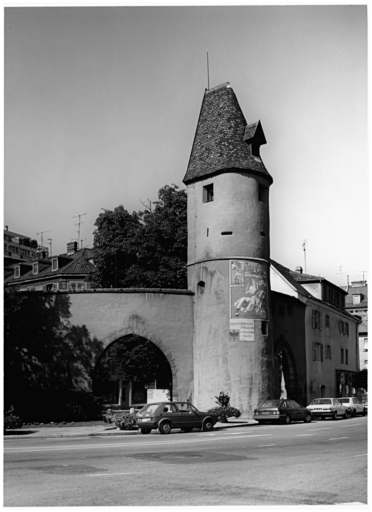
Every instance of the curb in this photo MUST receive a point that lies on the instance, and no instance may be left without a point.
(103, 434)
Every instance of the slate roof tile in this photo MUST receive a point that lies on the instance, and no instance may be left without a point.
(219, 138)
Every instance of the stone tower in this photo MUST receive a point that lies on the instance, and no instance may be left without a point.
(228, 255)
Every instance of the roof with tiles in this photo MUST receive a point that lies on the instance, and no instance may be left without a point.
(356, 290)
(287, 274)
(221, 142)
(76, 263)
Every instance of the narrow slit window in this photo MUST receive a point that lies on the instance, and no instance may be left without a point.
(226, 233)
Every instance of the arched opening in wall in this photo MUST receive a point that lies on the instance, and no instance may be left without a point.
(131, 372)
(286, 377)
(322, 391)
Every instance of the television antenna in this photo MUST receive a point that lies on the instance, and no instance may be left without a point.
(42, 239)
(78, 224)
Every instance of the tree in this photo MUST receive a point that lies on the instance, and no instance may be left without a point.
(147, 249)
(42, 350)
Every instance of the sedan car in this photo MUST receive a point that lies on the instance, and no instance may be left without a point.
(354, 404)
(167, 415)
(281, 410)
(328, 408)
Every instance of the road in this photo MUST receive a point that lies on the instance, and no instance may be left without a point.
(324, 462)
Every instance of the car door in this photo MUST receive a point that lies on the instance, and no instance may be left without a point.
(189, 418)
(358, 406)
(340, 408)
(299, 411)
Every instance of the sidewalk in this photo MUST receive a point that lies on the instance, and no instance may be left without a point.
(103, 429)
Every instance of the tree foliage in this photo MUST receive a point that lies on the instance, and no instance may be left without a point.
(145, 249)
(133, 358)
(42, 350)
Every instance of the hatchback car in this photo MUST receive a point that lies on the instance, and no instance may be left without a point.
(354, 404)
(328, 408)
(281, 410)
(167, 415)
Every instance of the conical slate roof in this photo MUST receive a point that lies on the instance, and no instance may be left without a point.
(221, 141)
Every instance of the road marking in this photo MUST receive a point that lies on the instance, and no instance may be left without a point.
(312, 429)
(362, 455)
(264, 445)
(112, 474)
(303, 435)
(122, 445)
(334, 438)
(352, 425)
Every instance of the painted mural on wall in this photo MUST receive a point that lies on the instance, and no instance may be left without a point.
(248, 297)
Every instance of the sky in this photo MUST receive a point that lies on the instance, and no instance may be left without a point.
(101, 106)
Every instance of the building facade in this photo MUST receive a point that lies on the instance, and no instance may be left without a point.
(356, 303)
(67, 271)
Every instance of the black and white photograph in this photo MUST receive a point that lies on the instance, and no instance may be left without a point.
(186, 255)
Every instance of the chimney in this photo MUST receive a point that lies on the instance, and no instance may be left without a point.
(72, 247)
(299, 270)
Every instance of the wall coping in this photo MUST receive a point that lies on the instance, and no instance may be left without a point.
(164, 291)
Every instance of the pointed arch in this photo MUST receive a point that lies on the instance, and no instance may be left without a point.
(285, 364)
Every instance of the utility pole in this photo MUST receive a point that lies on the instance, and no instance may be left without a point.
(42, 239)
(50, 243)
(78, 224)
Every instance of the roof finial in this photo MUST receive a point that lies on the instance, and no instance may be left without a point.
(208, 69)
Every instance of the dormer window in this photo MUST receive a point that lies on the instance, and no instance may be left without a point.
(208, 193)
(55, 264)
(35, 268)
(17, 271)
(357, 299)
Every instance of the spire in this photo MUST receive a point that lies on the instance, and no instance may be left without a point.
(223, 141)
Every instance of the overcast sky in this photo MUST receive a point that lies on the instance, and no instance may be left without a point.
(101, 106)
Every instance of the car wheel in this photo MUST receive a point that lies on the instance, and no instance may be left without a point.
(353, 413)
(334, 415)
(145, 430)
(208, 425)
(308, 418)
(186, 430)
(287, 419)
(261, 422)
(364, 413)
(165, 427)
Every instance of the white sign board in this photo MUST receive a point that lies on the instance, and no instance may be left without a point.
(157, 395)
(241, 329)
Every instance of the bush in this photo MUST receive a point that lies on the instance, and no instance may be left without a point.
(223, 400)
(11, 421)
(126, 422)
(225, 411)
(44, 406)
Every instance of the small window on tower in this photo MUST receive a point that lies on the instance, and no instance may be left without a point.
(263, 194)
(201, 287)
(208, 193)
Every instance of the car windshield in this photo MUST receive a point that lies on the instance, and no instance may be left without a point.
(271, 403)
(149, 408)
(344, 400)
(321, 401)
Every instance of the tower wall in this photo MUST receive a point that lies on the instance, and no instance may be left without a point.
(233, 350)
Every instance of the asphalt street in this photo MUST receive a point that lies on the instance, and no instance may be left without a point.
(321, 463)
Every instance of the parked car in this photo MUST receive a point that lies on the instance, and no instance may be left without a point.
(354, 404)
(281, 410)
(328, 408)
(167, 415)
